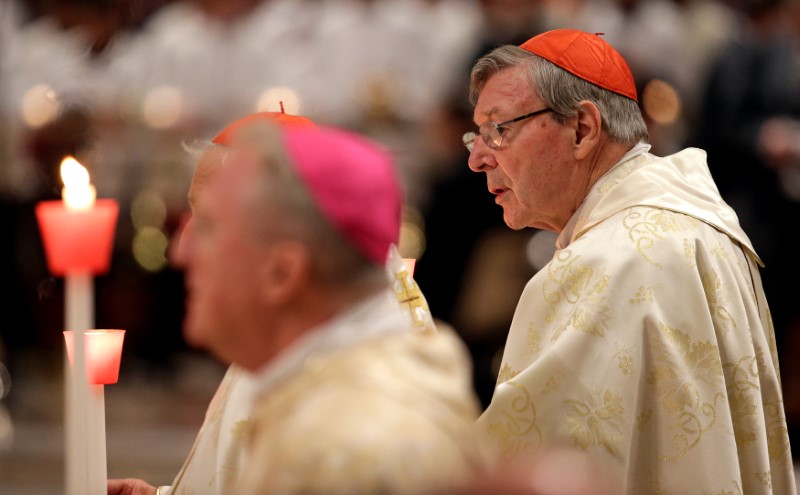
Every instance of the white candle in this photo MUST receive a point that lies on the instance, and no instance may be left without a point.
(85, 404)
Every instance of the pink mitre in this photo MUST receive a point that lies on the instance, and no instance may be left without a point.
(354, 183)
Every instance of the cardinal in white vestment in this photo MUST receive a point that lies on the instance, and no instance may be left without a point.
(646, 342)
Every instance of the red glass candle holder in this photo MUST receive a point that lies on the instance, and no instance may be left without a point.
(103, 354)
(77, 241)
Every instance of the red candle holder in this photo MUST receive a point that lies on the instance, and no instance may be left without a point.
(103, 354)
(77, 241)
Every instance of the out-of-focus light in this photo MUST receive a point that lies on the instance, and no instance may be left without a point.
(540, 248)
(270, 100)
(412, 234)
(40, 105)
(148, 209)
(412, 241)
(661, 102)
(162, 107)
(150, 248)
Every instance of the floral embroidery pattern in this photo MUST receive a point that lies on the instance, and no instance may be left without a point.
(644, 294)
(717, 300)
(680, 368)
(516, 423)
(645, 226)
(777, 434)
(506, 373)
(597, 420)
(569, 281)
(552, 383)
(690, 253)
(534, 341)
(765, 477)
(736, 491)
(624, 358)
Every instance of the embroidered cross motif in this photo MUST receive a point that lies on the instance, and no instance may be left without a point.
(409, 295)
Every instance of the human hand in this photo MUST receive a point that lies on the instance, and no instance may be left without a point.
(130, 486)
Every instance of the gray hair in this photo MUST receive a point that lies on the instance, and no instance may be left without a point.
(562, 91)
(284, 196)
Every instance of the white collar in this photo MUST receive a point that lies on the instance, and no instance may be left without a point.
(376, 316)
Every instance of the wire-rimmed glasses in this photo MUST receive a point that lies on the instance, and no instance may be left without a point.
(492, 133)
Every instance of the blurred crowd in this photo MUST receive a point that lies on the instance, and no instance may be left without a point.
(125, 85)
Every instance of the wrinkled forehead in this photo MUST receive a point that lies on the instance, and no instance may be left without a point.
(507, 90)
(212, 159)
(226, 173)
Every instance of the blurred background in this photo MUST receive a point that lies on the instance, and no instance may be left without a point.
(123, 85)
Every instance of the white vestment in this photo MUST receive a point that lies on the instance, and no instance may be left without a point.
(215, 459)
(364, 405)
(646, 342)
(214, 463)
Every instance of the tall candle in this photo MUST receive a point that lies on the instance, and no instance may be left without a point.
(79, 196)
(78, 235)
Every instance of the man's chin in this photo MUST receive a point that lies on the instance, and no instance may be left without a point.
(192, 333)
(511, 222)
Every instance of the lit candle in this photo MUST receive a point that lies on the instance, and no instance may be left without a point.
(78, 234)
(78, 193)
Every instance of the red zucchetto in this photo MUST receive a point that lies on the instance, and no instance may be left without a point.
(226, 136)
(587, 56)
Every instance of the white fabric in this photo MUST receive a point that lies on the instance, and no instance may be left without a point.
(215, 459)
(364, 406)
(377, 316)
(214, 463)
(647, 343)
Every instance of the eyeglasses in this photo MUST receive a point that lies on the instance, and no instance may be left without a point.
(492, 133)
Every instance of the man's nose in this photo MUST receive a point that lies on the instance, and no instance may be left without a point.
(481, 157)
(180, 244)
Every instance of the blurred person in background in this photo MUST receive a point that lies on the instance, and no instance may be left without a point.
(646, 341)
(751, 128)
(213, 464)
(692, 32)
(310, 356)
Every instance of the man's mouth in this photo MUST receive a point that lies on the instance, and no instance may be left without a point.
(498, 192)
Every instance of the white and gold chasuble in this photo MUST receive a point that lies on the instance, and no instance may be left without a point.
(364, 405)
(214, 463)
(647, 343)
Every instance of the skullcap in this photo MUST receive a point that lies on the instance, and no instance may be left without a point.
(227, 135)
(587, 56)
(352, 181)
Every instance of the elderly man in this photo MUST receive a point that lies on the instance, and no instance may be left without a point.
(215, 463)
(646, 341)
(286, 279)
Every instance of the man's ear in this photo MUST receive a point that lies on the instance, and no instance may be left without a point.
(285, 271)
(589, 126)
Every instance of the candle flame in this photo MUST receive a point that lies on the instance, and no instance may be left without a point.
(78, 192)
